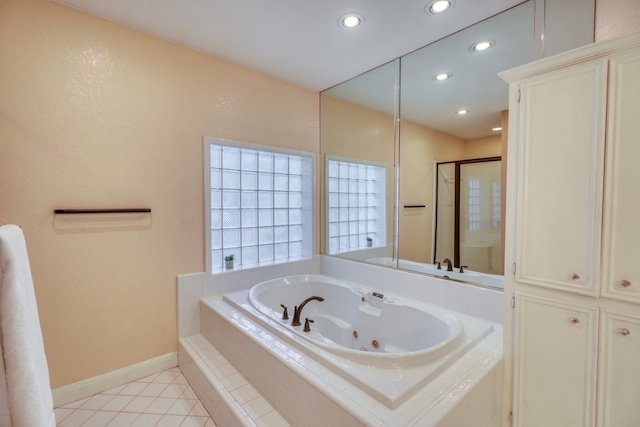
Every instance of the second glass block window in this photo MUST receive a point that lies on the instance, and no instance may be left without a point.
(357, 204)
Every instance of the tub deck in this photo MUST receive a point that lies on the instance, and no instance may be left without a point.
(293, 378)
(391, 387)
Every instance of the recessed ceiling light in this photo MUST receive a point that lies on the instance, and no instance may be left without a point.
(438, 6)
(497, 129)
(442, 76)
(462, 112)
(351, 20)
(482, 45)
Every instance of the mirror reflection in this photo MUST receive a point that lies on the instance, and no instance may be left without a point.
(468, 220)
(453, 110)
(359, 121)
(358, 129)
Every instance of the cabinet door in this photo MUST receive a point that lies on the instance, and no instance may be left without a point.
(560, 178)
(619, 384)
(554, 363)
(621, 269)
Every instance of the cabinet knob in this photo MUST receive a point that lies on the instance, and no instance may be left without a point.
(574, 320)
(575, 276)
(624, 331)
(625, 283)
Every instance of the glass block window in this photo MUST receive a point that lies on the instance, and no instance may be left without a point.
(474, 204)
(497, 204)
(356, 204)
(259, 204)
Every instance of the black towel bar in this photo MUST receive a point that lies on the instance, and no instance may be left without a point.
(100, 211)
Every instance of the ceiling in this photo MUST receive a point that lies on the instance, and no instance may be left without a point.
(299, 41)
(474, 86)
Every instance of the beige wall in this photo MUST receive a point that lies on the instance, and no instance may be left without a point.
(93, 114)
(616, 17)
(488, 146)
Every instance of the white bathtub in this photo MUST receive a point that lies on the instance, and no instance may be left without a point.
(416, 342)
(485, 279)
(360, 325)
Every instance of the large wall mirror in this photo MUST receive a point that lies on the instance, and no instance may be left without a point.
(408, 180)
(359, 130)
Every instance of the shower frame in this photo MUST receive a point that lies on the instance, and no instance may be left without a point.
(457, 220)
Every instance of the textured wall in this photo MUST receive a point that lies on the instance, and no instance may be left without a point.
(616, 17)
(93, 114)
(488, 146)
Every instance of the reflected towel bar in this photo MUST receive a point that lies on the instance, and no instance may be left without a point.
(415, 206)
(100, 211)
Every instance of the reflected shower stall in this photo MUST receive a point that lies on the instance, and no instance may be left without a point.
(467, 218)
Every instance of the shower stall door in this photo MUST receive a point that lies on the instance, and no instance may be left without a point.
(468, 216)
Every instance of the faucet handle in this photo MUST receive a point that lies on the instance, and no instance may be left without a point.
(439, 266)
(285, 314)
(462, 267)
(307, 327)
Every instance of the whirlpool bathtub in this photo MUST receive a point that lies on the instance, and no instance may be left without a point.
(388, 346)
(360, 325)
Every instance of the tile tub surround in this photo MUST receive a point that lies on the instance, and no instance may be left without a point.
(193, 287)
(223, 391)
(390, 386)
(290, 385)
(481, 384)
(475, 301)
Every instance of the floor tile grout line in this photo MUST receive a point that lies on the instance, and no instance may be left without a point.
(167, 378)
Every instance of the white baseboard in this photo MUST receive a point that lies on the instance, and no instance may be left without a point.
(85, 388)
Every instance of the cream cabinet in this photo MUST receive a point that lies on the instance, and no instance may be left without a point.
(573, 239)
(564, 117)
(575, 364)
(554, 340)
(619, 380)
(560, 175)
(621, 252)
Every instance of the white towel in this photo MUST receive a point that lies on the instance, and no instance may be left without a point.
(25, 391)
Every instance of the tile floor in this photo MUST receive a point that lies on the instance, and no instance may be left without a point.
(160, 400)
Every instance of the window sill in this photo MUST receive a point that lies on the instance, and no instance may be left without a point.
(241, 267)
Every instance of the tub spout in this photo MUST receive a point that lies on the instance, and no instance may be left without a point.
(449, 266)
(298, 310)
